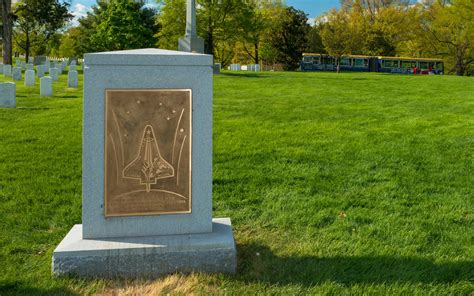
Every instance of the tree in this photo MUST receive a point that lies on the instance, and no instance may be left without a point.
(124, 24)
(449, 31)
(37, 21)
(113, 25)
(172, 20)
(337, 36)
(7, 24)
(256, 20)
(315, 42)
(290, 40)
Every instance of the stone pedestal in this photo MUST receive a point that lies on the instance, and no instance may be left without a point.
(191, 44)
(145, 212)
(148, 256)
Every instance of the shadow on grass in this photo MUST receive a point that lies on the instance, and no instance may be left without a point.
(244, 74)
(33, 108)
(17, 289)
(257, 262)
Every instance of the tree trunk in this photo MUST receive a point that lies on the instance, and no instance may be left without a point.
(459, 62)
(256, 53)
(209, 41)
(7, 32)
(338, 65)
(27, 47)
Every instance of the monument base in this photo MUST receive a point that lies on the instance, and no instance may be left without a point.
(147, 256)
(191, 44)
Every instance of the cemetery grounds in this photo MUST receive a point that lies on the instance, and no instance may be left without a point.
(357, 183)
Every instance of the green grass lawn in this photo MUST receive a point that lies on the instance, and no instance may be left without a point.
(356, 183)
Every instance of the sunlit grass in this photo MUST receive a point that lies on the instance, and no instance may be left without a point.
(336, 184)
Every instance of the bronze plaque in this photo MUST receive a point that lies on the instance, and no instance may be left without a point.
(147, 152)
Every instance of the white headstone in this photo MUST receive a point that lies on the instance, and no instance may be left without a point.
(30, 77)
(46, 86)
(18, 63)
(40, 70)
(47, 65)
(29, 66)
(72, 68)
(7, 70)
(16, 74)
(54, 73)
(1, 68)
(23, 65)
(7, 95)
(72, 80)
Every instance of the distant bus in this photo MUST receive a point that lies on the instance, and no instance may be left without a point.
(360, 63)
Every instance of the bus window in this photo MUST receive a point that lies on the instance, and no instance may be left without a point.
(424, 65)
(408, 64)
(329, 61)
(390, 64)
(359, 63)
(345, 62)
(307, 59)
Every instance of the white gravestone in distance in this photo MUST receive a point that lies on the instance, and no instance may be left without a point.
(46, 86)
(23, 65)
(16, 74)
(72, 68)
(1, 68)
(30, 77)
(7, 95)
(29, 66)
(145, 212)
(72, 80)
(18, 63)
(47, 66)
(7, 70)
(54, 73)
(40, 69)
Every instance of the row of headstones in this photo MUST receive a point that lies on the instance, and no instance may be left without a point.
(8, 89)
(250, 67)
(30, 74)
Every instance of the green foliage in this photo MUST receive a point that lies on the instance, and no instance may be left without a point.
(350, 184)
(172, 20)
(124, 24)
(315, 41)
(450, 31)
(36, 21)
(290, 40)
(113, 25)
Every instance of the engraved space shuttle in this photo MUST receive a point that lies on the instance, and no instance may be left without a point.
(148, 166)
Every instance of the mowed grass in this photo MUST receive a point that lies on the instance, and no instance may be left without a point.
(357, 183)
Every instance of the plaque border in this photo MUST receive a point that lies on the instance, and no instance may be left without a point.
(106, 90)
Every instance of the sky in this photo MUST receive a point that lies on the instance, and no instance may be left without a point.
(313, 8)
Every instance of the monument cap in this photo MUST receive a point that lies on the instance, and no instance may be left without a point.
(148, 57)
